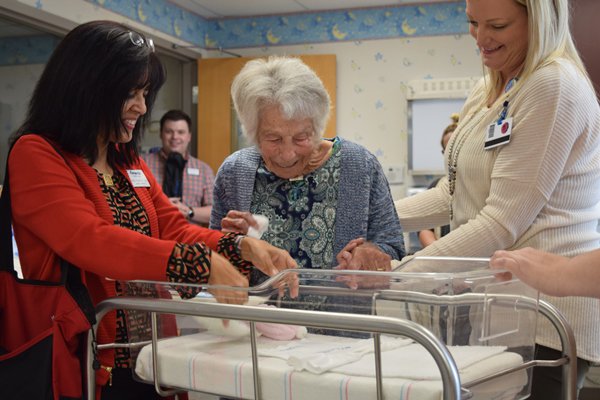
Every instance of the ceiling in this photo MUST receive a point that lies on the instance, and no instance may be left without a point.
(244, 8)
(239, 8)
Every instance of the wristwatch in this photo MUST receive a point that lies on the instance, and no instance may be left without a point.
(190, 213)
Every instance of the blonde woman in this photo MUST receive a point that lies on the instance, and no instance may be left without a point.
(523, 161)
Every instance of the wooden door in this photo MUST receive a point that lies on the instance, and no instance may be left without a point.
(215, 107)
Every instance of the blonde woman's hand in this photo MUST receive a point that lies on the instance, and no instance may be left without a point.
(270, 260)
(222, 273)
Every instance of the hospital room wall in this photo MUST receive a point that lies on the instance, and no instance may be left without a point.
(371, 107)
(371, 74)
(371, 98)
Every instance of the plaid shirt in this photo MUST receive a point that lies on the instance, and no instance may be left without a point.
(198, 178)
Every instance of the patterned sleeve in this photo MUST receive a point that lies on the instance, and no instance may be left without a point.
(229, 247)
(189, 264)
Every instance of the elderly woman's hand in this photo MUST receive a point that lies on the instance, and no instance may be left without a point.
(359, 254)
(238, 221)
(270, 260)
(345, 255)
(222, 273)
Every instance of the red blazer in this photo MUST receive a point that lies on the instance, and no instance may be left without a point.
(59, 210)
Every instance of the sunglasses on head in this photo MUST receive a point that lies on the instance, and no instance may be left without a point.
(140, 41)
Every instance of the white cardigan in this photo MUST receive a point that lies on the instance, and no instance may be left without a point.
(540, 190)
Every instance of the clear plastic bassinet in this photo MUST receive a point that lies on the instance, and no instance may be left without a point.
(437, 328)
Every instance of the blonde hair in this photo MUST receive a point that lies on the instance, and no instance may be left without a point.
(549, 39)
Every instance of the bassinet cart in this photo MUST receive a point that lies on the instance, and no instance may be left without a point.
(458, 334)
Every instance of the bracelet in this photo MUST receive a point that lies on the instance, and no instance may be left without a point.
(190, 214)
(238, 243)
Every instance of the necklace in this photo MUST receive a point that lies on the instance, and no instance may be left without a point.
(455, 147)
(458, 142)
(106, 177)
(103, 171)
(108, 181)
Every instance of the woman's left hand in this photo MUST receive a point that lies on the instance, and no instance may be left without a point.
(365, 256)
(270, 260)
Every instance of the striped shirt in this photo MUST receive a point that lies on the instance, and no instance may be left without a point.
(198, 178)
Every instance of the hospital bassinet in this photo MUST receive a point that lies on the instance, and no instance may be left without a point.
(450, 330)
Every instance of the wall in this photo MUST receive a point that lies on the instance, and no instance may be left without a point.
(16, 85)
(371, 106)
(169, 97)
(585, 32)
(404, 43)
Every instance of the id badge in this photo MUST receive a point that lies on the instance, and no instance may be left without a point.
(498, 135)
(137, 177)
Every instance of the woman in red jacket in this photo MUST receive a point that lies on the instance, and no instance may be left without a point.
(81, 193)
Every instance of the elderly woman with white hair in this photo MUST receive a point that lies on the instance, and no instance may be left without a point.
(327, 200)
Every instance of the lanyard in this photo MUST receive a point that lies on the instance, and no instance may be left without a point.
(504, 111)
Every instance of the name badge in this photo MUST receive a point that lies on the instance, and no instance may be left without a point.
(193, 171)
(498, 134)
(137, 177)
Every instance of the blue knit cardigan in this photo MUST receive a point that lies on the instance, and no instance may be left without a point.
(365, 207)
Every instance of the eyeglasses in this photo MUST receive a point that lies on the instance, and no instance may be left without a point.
(139, 40)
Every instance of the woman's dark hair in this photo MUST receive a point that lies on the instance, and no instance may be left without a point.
(85, 84)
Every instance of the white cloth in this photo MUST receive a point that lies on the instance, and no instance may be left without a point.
(415, 362)
(317, 356)
(222, 365)
(263, 225)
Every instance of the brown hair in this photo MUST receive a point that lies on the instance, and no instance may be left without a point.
(450, 128)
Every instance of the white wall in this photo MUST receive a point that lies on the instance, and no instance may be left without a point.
(371, 104)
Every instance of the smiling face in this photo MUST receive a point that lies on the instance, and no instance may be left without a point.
(286, 145)
(134, 108)
(500, 29)
(176, 136)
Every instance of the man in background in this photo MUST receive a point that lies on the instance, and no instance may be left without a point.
(187, 181)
